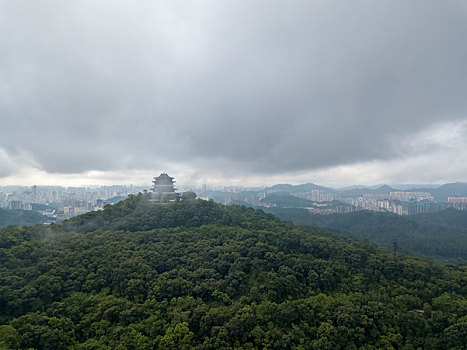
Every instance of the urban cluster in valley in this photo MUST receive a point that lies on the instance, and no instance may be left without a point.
(60, 203)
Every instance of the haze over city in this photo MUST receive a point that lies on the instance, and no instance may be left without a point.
(238, 92)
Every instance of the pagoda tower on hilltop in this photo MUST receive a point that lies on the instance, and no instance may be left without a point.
(163, 190)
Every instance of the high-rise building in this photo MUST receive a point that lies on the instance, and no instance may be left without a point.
(15, 205)
(320, 196)
(422, 207)
(315, 195)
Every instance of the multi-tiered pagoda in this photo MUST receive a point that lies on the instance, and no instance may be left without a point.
(163, 190)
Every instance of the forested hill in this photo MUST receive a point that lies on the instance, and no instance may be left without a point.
(441, 236)
(199, 275)
(137, 214)
(20, 217)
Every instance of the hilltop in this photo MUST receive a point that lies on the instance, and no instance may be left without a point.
(201, 275)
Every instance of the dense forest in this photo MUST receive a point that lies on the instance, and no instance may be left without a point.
(441, 236)
(21, 217)
(200, 275)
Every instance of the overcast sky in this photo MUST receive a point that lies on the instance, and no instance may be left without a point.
(244, 92)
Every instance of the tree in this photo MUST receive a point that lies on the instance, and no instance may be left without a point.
(188, 196)
(178, 338)
(9, 338)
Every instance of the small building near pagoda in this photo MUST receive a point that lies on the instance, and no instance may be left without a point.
(164, 190)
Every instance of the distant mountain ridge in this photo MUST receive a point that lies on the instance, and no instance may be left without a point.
(308, 187)
(384, 189)
(287, 201)
(440, 193)
(299, 188)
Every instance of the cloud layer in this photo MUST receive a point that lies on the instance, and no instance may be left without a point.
(240, 88)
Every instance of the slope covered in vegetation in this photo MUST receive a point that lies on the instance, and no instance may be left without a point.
(21, 217)
(205, 276)
(441, 236)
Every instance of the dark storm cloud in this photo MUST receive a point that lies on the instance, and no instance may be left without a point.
(258, 86)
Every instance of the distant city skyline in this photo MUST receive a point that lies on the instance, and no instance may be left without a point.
(57, 203)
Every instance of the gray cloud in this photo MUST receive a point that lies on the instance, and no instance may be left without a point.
(259, 87)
